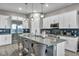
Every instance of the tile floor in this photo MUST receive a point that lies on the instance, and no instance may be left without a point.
(69, 53)
(11, 50)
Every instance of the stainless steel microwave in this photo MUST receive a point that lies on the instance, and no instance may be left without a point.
(54, 25)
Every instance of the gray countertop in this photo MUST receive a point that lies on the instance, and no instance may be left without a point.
(46, 41)
(63, 35)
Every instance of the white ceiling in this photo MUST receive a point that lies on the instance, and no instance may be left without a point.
(28, 8)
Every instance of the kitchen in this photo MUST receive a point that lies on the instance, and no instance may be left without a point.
(39, 29)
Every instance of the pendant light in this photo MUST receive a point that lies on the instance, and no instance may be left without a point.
(32, 13)
(42, 14)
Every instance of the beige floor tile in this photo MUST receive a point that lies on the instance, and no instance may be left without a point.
(12, 50)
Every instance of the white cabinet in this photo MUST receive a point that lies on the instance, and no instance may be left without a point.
(68, 20)
(61, 21)
(5, 39)
(1, 40)
(4, 21)
(65, 20)
(55, 20)
(71, 43)
(8, 39)
(46, 22)
(50, 20)
(25, 24)
(61, 49)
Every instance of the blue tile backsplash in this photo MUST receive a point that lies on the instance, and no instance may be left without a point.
(56, 31)
(4, 31)
(8, 31)
(26, 30)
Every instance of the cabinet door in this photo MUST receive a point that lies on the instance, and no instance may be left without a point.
(64, 38)
(2, 40)
(5, 39)
(4, 21)
(70, 19)
(72, 44)
(66, 21)
(0, 21)
(56, 19)
(8, 23)
(61, 21)
(8, 39)
(46, 22)
(61, 49)
(73, 19)
(25, 24)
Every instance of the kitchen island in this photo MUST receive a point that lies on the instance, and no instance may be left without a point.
(44, 46)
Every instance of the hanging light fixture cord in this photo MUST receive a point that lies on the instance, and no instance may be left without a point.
(42, 11)
(42, 7)
(32, 10)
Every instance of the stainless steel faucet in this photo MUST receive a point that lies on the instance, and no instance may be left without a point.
(35, 34)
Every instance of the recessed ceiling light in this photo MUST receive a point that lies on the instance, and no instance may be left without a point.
(34, 11)
(20, 8)
(46, 5)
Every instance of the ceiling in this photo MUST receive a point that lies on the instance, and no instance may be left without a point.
(14, 7)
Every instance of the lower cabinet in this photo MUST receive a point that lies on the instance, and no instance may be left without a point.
(5, 39)
(56, 50)
(61, 49)
(71, 43)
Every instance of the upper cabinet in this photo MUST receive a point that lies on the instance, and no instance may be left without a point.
(5, 22)
(46, 22)
(61, 21)
(70, 20)
(25, 24)
(65, 20)
(55, 19)
(50, 20)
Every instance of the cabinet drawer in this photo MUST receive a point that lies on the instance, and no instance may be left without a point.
(5, 39)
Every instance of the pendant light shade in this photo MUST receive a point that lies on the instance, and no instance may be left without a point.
(32, 18)
(32, 13)
(42, 14)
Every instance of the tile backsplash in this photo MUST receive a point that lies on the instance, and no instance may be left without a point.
(66, 31)
(8, 31)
